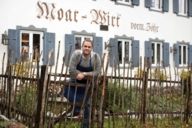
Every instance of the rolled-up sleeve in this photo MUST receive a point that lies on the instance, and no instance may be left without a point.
(73, 64)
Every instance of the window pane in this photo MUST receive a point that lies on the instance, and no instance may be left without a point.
(156, 4)
(159, 3)
(25, 46)
(153, 3)
(120, 51)
(180, 55)
(36, 45)
(184, 54)
(183, 6)
(153, 53)
(126, 52)
(78, 43)
(158, 53)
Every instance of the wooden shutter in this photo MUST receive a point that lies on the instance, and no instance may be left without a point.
(98, 45)
(13, 45)
(135, 53)
(148, 3)
(190, 8)
(135, 2)
(165, 5)
(113, 52)
(176, 54)
(69, 47)
(190, 55)
(176, 6)
(148, 51)
(49, 48)
(166, 54)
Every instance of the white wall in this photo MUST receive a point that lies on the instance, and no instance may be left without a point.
(171, 28)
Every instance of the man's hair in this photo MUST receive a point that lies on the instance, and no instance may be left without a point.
(87, 40)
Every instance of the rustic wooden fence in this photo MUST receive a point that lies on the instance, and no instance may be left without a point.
(32, 94)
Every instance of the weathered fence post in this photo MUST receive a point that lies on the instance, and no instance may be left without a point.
(102, 104)
(144, 91)
(143, 98)
(9, 87)
(187, 93)
(41, 88)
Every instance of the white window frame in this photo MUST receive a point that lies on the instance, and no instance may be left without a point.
(31, 43)
(123, 51)
(82, 38)
(124, 2)
(183, 7)
(157, 5)
(181, 55)
(155, 54)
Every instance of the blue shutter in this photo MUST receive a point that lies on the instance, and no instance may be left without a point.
(135, 53)
(165, 54)
(135, 2)
(69, 47)
(49, 48)
(176, 6)
(176, 54)
(190, 55)
(113, 52)
(148, 51)
(13, 45)
(190, 8)
(165, 5)
(148, 3)
(98, 45)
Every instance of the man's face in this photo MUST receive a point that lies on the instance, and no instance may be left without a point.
(87, 47)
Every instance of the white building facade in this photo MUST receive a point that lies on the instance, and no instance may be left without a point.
(160, 30)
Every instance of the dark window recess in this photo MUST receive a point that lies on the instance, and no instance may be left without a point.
(104, 27)
(36, 45)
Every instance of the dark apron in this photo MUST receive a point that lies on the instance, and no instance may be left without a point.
(69, 92)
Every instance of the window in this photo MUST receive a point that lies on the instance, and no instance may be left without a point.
(157, 53)
(31, 44)
(124, 52)
(182, 54)
(128, 2)
(79, 40)
(157, 5)
(25, 43)
(182, 7)
(74, 41)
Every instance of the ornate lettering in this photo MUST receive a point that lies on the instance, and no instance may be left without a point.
(51, 12)
(43, 8)
(95, 16)
(104, 18)
(60, 14)
(68, 15)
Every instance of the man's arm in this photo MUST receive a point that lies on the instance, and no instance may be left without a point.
(96, 66)
(73, 64)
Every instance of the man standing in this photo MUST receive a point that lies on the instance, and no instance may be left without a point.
(83, 63)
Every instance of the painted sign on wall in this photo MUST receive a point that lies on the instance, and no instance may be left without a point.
(50, 11)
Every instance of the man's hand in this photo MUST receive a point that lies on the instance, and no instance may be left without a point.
(80, 76)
